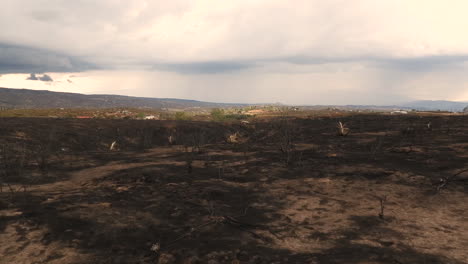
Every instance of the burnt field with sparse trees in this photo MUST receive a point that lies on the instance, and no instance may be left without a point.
(368, 188)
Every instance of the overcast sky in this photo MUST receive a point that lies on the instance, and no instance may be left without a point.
(253, 51)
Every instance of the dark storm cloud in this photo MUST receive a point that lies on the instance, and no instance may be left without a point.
(212, 67)
(306, 60)
(21, 59)
(32, 77)
(409, 64)
(44, 78)
(423, 64)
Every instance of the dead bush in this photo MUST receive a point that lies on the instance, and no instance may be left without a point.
(44, 148)
(286, 137)
(13, 160)
(342, 129)
(146, 134)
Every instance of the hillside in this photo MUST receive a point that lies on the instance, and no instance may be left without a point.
(41, 99)
(25, 98)
(428, 105)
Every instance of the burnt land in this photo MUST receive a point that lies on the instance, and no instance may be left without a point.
(282, 190)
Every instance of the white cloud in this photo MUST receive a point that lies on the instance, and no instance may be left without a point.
(300, 51)
(205, 30)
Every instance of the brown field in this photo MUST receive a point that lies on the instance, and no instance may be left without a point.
(287, 190)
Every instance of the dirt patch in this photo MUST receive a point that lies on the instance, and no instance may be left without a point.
(204, 200)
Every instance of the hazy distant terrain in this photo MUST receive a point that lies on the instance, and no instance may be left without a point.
(25, 98)
(427, 105)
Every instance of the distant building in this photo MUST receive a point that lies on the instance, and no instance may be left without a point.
(399, 112)
(151, 117)
(255, 112)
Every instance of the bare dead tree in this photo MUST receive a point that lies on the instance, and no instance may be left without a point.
(221, 170)
(443, 182)
(342, 129)
(377, 146)
(13, 160)
(286, 144)
(146, 137)
(382, 201)
(189, 157)
(171, 139)
(198, 139)
(192, 140)
(44, 149)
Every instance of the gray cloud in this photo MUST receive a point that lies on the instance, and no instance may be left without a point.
(212, 67)
(32, 77)
(44, 78)
(423, 64)
(21, 59)
(386, 48)
(203, 37)
(413, 64)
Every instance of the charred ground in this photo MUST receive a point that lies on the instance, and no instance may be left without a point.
(283, 190)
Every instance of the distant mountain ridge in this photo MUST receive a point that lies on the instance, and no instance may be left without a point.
(26, 98)
(428, 105)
